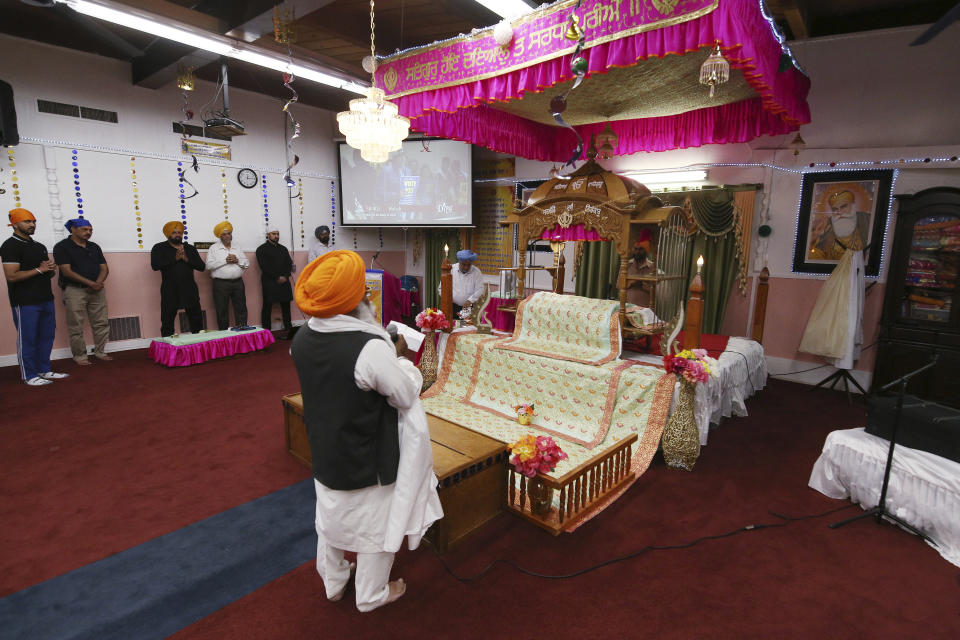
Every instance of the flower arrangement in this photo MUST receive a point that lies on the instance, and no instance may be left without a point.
(432, 319)
(693, 365)
(524, 413)
(535, 454)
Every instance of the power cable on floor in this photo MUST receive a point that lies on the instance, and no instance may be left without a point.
(750, 527)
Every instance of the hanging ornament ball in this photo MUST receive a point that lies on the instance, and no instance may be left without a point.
(558, 104)
(189, 114)
(287, 77)
(579, 65)
(369, 64)
(503, 33)
(764, 231)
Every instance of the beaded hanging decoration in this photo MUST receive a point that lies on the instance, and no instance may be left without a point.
(355, 243)
(134, 185)
(76, 182)
(266, 207)
(183, 200)
(300, 208)
(15, 183)
(380, 230)
(223, 190)
(333, 216)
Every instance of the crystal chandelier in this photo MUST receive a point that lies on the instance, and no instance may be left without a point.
(715, 70)
(373, 124)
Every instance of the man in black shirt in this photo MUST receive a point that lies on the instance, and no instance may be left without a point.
(176, 261)
(83, 270)
(28, 270)
(275, 269)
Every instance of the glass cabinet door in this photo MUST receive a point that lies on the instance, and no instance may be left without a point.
(931, 277)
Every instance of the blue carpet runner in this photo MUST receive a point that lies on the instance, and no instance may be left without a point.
(159, 587)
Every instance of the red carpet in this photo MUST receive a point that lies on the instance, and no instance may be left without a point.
(124, 451)
(800, 581)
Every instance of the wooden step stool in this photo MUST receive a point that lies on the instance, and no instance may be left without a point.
(470, 469)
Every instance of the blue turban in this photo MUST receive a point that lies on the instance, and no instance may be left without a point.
(466, 254)
(76, 223)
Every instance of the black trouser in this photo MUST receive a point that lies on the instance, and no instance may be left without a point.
(268, 307)
(456, 311)
(168, 313)
(225, 292)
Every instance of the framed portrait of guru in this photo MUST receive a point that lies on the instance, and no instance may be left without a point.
(842, 210)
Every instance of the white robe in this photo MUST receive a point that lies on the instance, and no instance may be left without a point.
(376, 519)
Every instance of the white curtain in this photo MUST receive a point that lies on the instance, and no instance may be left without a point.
(835, 327)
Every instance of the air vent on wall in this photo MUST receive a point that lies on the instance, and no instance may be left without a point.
(75, 111)
(126, 328)
(199, 132)
(58, 108)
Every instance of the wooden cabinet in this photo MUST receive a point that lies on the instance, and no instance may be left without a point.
(921, 313)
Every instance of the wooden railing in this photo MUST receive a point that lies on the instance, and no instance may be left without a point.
(580, 490)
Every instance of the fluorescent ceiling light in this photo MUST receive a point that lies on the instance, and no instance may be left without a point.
(222, 45)
(506, 8)
(667, 177)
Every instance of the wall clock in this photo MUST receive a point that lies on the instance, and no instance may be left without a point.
(247, 178)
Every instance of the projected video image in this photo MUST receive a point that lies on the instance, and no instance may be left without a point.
(414, 187)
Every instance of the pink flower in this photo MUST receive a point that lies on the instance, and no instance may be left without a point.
(700, 353)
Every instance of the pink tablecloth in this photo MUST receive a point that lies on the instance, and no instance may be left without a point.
(501, 320)
(188, 354)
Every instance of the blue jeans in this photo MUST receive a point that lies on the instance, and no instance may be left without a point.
(36, 327)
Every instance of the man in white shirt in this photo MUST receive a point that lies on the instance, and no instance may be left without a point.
(467, 282)
(226, 265)
(369, 441)
(322, 243)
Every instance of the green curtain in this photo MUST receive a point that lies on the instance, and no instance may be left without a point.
(434, 239)
(716, 241)
(597, 275)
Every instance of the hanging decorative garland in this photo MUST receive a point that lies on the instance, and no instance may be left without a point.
(380, 230)
(136, 199)
(223, 188)
(416, 246)
(356, 245)
(300, 198)
(266, 207)
(333, 216)
(288, 79)
(76, 183)
(183, 200)
(14, 183)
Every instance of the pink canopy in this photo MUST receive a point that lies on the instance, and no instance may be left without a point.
(643, 60)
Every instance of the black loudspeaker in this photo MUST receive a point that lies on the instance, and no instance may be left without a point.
(8, 117)
(923, 425)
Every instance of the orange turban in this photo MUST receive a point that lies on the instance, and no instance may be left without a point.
(172, 226)
(332, 284)
(20, 215)
(222, 227)
(841, 197)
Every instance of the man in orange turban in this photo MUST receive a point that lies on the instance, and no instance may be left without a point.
(28, 270)
(361, 400)
(176, 261)
(638, 291)
(226, 264)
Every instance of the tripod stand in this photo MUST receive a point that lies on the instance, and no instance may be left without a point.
(841, 375)
(880, 511)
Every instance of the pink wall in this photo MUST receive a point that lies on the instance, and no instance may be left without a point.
(133, 288)
(788, 308)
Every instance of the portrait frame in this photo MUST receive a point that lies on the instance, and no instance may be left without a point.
(859, 200)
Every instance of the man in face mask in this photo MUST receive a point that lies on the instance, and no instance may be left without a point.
(176, 261)
(372, 458)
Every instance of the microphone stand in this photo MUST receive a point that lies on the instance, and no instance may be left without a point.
(880, 511)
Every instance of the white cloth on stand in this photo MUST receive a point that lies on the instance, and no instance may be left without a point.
(924, 488)
(835, 327)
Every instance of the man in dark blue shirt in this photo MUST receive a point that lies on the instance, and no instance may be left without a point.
(28, 270)
(83, 269)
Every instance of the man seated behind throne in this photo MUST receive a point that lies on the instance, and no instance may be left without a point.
(638, 291)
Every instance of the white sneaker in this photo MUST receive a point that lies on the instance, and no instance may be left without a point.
(50, 375)
(37, 381)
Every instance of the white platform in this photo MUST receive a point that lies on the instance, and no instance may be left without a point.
(924, 488)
